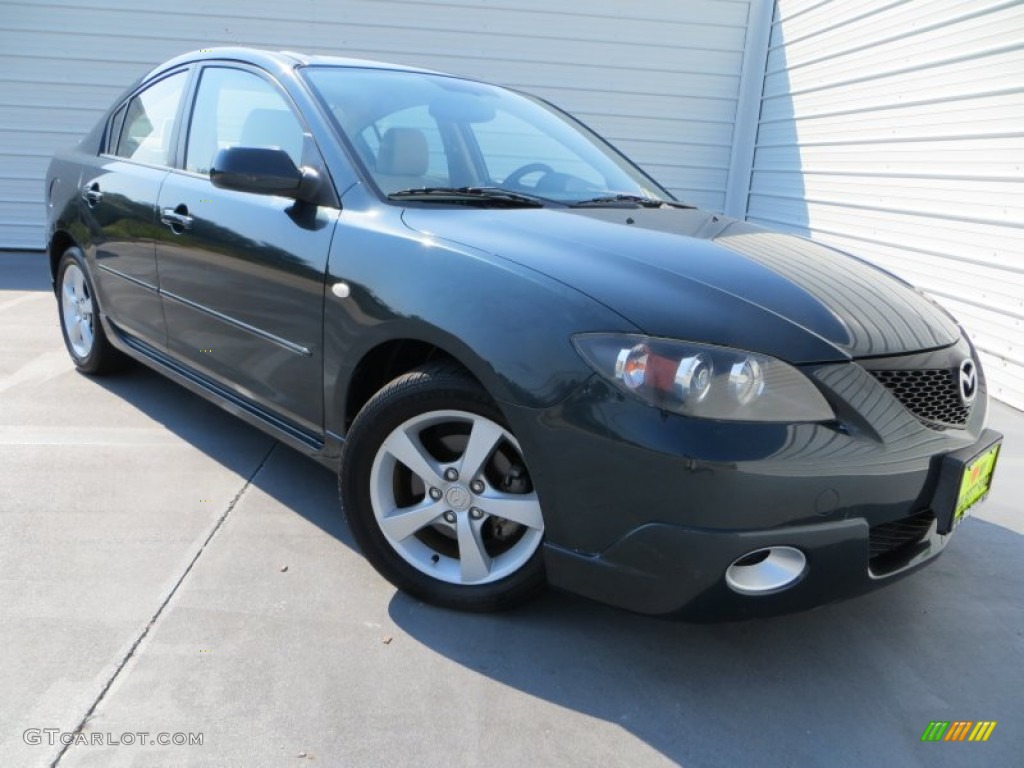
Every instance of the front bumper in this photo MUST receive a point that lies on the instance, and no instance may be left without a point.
(669, 570)
(646, 510)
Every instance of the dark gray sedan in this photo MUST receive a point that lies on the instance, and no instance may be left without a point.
(528, 363)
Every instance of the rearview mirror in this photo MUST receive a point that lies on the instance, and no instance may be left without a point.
(262, 171)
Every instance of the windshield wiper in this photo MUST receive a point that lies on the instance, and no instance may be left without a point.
(645, 202)
(464, 194)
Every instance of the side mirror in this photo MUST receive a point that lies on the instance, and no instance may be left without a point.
(263, 171)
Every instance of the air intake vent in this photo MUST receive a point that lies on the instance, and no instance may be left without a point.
(892, 537)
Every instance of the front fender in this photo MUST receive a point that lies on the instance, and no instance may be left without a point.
(509, 325)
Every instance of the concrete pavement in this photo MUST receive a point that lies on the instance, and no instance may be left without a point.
(165, 569)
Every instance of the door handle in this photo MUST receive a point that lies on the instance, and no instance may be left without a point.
(92, 195)
(176, 218)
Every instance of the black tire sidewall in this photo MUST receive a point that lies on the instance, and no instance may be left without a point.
(409, 396)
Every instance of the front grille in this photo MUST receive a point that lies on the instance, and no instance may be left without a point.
(933, 395)
(890, 538)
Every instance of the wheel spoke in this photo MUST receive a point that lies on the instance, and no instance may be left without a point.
(474, 561)
(406, 450)
(483, 439)
(74, 331)
(85, 332)
(522, 509)
(402, 523)
(79, 277)
(69, 292)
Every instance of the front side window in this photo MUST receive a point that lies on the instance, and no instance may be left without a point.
(416, 130)
(238, 108)
(145, 128)
(383, 137)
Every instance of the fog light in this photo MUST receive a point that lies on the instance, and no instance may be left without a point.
(767, 570)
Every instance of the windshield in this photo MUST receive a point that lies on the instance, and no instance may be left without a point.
(417, 131)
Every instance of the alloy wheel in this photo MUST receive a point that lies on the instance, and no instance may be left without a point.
(451, 494)
(77, 311)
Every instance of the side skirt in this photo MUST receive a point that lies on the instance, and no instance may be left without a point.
(325, 452)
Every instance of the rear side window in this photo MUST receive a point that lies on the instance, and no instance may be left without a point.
(144, 130)
(238, 108)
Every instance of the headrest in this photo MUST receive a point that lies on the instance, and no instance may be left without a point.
(403, 152)
(273, 128)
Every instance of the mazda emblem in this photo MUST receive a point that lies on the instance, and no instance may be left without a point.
(968, 381)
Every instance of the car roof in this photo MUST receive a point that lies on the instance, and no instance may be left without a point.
(276, 60)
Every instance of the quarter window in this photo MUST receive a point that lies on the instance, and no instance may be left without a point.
(145, 129)
(238, 108)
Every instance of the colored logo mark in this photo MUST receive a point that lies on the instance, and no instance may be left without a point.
(958, 730)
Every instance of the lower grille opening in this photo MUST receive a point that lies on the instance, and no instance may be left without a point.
(892, 545)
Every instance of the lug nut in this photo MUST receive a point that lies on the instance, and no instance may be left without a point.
(451, 474)
(476, 513)
(449, 517)
(435, 494)
(477, 486)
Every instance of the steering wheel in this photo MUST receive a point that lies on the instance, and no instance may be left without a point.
(515, 178)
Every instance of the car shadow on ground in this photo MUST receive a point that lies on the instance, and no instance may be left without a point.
(853, 683)
(218, 434)
(865, 676)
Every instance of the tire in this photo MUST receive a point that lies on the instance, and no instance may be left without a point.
(80, 323)
(437, 494)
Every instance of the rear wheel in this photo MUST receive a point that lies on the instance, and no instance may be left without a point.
(438, 495)
(79, 318)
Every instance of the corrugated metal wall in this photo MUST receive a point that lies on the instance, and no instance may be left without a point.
(895, 130)
(892, 128)
(659, 78)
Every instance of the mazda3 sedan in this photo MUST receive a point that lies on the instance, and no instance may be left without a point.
(527, 362)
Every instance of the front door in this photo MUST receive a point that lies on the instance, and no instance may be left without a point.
(242, 275)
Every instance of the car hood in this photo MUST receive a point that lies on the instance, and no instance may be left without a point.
(689, 274)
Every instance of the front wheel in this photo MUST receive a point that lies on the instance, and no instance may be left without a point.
(438, 495)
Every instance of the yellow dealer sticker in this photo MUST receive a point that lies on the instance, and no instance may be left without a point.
(976, 481)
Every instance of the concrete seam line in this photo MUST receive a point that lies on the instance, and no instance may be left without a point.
(166, 601)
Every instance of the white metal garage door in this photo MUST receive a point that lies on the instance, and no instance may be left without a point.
(658, 78)
(895, 129)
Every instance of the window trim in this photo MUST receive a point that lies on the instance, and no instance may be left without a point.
(106, 150)
(193, 97)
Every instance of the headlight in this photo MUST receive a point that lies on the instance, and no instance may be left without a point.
(704, 381)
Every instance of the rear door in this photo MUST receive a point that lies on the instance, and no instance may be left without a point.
(241, 274)
(118, 203)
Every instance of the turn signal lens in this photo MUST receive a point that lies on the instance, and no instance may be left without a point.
(631, 366)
